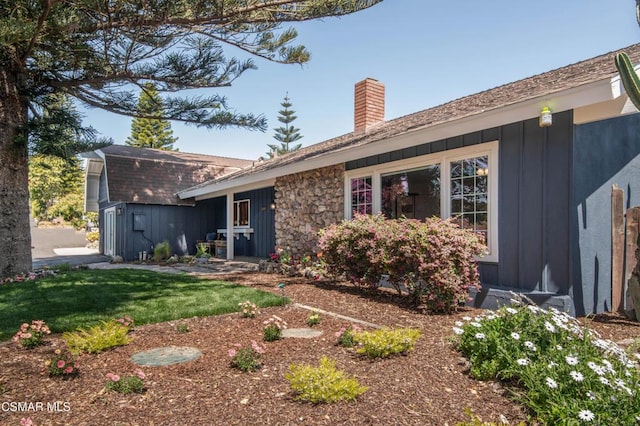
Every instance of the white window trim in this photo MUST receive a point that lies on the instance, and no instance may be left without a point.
(236, 208)
(491, 149)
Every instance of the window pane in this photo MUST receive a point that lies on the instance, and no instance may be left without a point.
(413, 194)
(361, 196)
(469, 194)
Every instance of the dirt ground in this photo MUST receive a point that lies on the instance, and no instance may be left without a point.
(429, 386)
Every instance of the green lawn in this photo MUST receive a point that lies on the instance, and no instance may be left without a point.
(83, 298)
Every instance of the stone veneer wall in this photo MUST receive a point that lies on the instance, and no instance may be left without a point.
(305, 203)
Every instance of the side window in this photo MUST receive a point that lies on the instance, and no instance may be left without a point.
(470, 194)
(361, 196)
(241, 213)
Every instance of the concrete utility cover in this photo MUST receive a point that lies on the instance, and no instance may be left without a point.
(305, 333)
(166, 356)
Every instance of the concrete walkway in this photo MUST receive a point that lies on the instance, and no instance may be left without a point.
(214, 266)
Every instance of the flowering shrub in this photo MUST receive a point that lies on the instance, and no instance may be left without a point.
(384, 343)
(249, 309)
(62, 364)
(313, 319)
(567, 373)
(434, 259)
(323, 383)
(273, 328)
(281, 255)
(247, 358)
(31, 335)
(30, 276)
(127, 384)
(105, 335)
(127, 321)
(345, 335)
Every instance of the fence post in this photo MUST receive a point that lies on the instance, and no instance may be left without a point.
(617, 249)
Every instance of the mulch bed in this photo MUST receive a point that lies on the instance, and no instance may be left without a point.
(429, 386)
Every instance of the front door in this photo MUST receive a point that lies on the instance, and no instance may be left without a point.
(110, 231)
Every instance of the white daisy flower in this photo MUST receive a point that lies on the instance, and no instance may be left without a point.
(559, 347)
(466, 318)
(591, 395)
(530, 346)
(476, 324)
(577, 376)
(571, 360)
(523, 361)
(549, 327)
(515, 336)
(586, 415)
(603, 380)
(480, 336)
(511, 310)
(551, 383)
(459, 323)
(458, 331)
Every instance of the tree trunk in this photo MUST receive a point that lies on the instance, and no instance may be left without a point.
(15, 232)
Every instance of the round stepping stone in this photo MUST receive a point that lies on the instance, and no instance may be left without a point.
(166, 356)
(305, 333)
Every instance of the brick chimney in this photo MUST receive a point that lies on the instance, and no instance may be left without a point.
(369, 104)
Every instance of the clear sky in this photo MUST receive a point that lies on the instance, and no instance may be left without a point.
(425, 52)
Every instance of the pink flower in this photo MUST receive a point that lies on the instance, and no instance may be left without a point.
(256, 347)
(26, 421)
(60, 363)
(232, 353)
(140, 374)
(113, 377)
(68, 370)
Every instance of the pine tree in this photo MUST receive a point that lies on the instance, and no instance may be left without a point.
(99, 52)
(151, 132)
(286, 134)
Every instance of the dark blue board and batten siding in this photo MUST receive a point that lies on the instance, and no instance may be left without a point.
(261, 220)
(534, 205)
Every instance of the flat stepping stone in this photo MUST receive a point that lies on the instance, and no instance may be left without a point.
(166, 356)
(304, 333)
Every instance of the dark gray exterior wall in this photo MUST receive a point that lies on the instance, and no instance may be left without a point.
(605, 152)
(261, 220)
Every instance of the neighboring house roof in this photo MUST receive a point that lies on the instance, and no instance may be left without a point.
(533, 90)
(153, 176)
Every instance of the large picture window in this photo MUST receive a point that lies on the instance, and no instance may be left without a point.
(460, 183)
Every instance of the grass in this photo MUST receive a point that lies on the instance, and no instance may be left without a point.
(83, 298)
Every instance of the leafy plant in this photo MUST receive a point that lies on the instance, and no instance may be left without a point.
(126, 385)
(434, 260)
(249, 309)
(31, 335)
(62, 364)
(323, 383)
(92, 236)
(182, 328)
(563, 372)
(161, 251)
(345, 335)
(273, 328)
(247, 358)
(313, 319)
(384, 343)
(106, 335)
(477, 421)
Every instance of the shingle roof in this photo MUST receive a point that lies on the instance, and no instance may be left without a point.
(153, 176)
(568, 77)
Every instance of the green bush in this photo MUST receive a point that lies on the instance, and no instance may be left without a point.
(323, 383)
(98, 338)
(564, 373)
(162, 251)
(92, 236)
(384, 343)
(125, 385)
(247, 358)
(434, 260)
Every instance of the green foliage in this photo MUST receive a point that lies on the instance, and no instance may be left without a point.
(93, 236)
(55, 188)
(149, 132)
(182, 328)
(273, 328)
(62, 364)
(201, 250)
(125, 385)
(384, 343)
(286, 134)
(247, 358)
(313, 319)
(345, 335)
(31, 335)
(564, 373)
(106, 335)
(323, 383)
(162, 251)
(434, 259)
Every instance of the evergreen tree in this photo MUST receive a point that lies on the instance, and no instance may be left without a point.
(151, 132)
(286, 134)
(101, 52)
